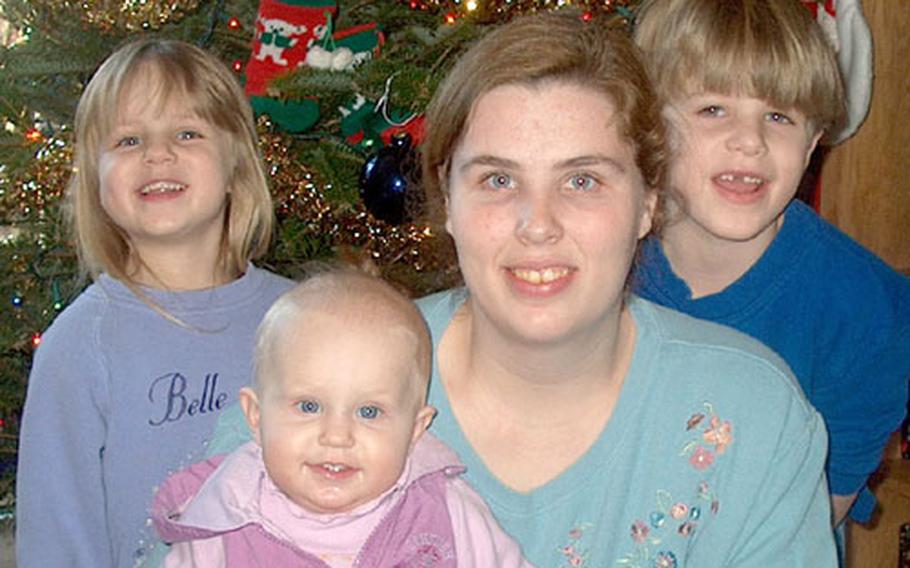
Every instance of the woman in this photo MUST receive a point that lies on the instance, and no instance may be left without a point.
(601, 429)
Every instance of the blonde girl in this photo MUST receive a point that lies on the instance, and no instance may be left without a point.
(169, 205)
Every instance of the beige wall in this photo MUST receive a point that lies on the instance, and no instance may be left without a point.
(866, 180)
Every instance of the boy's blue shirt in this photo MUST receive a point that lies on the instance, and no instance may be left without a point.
(837, 314)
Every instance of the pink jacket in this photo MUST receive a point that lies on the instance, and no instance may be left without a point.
(225, 511)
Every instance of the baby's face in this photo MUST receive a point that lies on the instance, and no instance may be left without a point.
(338, 411)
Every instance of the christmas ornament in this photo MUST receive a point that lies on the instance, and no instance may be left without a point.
(409, 253)
(365, 124)
(387, 182)
(368, 125)
(34, 135)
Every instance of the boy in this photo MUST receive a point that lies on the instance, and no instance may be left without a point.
(750, 87)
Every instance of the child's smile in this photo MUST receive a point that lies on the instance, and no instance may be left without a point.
(164, 173)
(737, 164)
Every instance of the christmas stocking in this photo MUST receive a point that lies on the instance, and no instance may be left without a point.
(285, 30)
(366, 124)
(284, 33)
(343, 50)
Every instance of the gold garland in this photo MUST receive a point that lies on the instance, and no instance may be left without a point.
(43, 182)
(135, 15)
(493, 11)
(299, 194)
(410, 253)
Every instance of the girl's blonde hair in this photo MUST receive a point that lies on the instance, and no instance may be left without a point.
(767, 49)
(187, 73)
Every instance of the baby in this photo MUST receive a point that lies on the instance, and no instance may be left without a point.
(341, 470)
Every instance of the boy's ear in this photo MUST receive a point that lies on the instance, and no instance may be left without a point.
(421, 423)
(647, 214)
(249, 403)
(811, 148)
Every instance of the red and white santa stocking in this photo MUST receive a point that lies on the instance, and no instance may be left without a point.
(285, 30)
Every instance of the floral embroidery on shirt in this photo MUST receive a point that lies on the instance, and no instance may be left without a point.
(665, 560)
(574, 552)
(704, 492)
(711, 436)
(648, 535)
(710, 442)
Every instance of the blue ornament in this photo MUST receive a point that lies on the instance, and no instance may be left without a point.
(388, 181)
(17, 301)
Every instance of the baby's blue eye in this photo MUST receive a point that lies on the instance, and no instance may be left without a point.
(369, 412)
(308, 406)
(500, 181)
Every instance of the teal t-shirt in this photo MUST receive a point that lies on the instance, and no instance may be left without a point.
(712, 457)
(839, 317)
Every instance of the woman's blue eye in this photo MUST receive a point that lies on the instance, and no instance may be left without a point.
(500, 181)
(309, 406)
(582, 182)
(369, 412)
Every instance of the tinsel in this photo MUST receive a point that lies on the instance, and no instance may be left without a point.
(299, 194)
(42, 184)
(299, 197)
(496, 11)
(135, 15)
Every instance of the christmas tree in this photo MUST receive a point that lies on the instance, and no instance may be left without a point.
(339, 88)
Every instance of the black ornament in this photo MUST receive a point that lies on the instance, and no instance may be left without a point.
(388, 181)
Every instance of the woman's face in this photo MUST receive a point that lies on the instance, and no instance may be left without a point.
(546, 206)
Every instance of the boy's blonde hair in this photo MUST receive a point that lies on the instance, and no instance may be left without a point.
(348, 294)
(535, 50)
(188, 73)
(767, 49)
